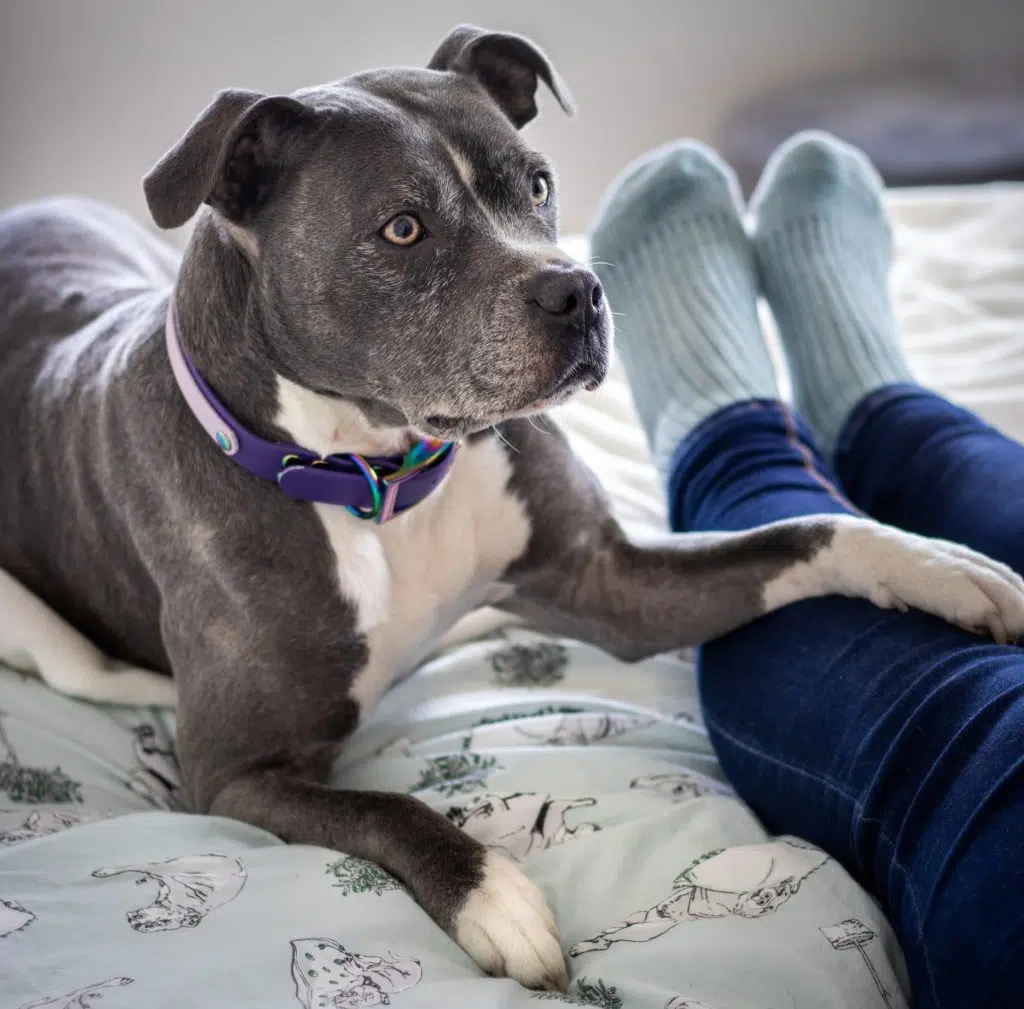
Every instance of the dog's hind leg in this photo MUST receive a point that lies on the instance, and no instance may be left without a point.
(34, 639)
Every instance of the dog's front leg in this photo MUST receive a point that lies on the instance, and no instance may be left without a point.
(638, 600)
(582, 577)
(479, 897)
(257, 734)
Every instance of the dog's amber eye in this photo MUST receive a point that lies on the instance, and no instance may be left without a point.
(540, 190)
(405, 229)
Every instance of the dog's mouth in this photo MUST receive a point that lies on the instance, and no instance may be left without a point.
(581, 374)
(584, 374)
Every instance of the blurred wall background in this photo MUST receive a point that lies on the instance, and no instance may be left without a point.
(93, 91)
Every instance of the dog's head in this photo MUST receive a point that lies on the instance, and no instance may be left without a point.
(163, 917)
(402, 236)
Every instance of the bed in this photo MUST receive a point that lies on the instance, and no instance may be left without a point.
(106, 887)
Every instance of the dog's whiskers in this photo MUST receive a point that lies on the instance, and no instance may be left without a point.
(503, 439)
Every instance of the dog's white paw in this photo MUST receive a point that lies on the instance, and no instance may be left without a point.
(507, 927)
(895, 569)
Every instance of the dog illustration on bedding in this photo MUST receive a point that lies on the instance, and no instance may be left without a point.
(14, 916)
(81, 998)
(681, 785)
(747, 881)
(16, 826)
(188, 889)
(581, 729)
(520, 823)
(328, 976)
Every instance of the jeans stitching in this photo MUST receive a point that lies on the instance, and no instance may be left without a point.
(809, 465)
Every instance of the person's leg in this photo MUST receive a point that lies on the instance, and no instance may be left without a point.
(912, 459)
(893, 741)
(681, 283)
(941, 799)
(888, 739)
(903, 454)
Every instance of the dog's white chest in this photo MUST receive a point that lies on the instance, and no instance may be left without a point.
(413, 577)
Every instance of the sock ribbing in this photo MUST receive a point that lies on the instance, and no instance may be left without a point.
(824, 252)
(680, 274)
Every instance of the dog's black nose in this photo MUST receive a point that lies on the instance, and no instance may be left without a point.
(572, 294)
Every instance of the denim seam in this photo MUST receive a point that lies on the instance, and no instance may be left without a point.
(809, 464)
(831, 786)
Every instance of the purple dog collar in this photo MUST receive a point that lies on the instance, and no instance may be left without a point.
(376, 488)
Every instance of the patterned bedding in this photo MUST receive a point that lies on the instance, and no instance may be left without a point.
(598, 779)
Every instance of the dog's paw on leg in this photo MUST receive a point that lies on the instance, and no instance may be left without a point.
(506, 926)
(895, 569)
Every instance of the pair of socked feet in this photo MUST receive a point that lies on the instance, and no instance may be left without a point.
(683, 271)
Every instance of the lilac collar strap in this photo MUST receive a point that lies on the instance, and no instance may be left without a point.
(376, 488)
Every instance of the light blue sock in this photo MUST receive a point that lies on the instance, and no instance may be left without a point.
(679, 271)
(824, 249)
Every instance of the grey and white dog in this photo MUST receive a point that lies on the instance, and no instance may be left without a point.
(376, 261)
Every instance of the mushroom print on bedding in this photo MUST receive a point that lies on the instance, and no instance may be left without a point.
(328, 976)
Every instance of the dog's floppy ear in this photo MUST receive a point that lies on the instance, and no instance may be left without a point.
(507, 66)
(230, 158)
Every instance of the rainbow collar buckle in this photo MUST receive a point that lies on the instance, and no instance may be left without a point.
(317, 479)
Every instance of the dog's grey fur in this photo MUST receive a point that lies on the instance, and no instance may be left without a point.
(122, 515)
